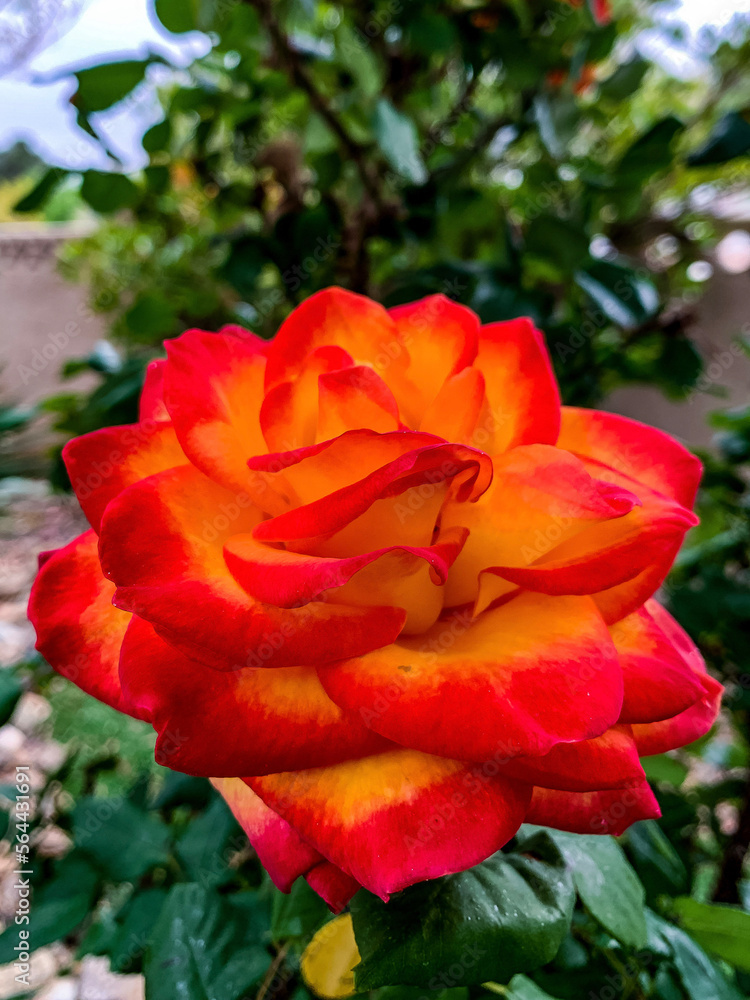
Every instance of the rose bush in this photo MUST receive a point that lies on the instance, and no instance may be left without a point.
(378, 584)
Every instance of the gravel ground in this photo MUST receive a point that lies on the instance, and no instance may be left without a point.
(32, 520)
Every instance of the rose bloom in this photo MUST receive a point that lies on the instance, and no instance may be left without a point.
(376, 583)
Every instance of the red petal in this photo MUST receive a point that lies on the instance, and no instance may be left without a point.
(519, 679)
(334, 316)
(539, 497)
(162, 542)
(400, 576)
(646, 454)
(152, 405)
(101, 464)
(289, 579)
(523, 401)
(618, 602)
(289, 414)
(683, 729)
(294, 478)
(213, 384)
(78, 631)
(441, 337)
(694, 722)
(602, 11)
(353, 398)
(608, 554)
(400, 817)
(454, 412)
(663, 523)
(633, 552)
(253, 721)
(659, 683)
(608, 812)
(429, 466)
(333, 885)
(281, 850)
(677, 636)
(608, 761)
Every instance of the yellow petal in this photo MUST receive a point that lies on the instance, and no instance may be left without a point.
(328, 961)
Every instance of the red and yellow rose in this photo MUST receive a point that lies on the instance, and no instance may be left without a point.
(374, 581)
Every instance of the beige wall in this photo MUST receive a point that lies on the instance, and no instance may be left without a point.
(723, 314)
(43, 319)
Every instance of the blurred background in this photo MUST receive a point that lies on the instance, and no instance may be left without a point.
(167, 164)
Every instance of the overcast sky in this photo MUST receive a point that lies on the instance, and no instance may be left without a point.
(34, 98)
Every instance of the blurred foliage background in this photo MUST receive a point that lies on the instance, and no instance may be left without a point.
(523, 157)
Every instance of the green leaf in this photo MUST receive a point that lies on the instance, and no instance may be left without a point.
(106, 192)
(414, 993)
(701, 978)
(625, 80)
(178, 15)
(428, 32)
(157, 137)
(656, 942)
(606, 883)
(558, 240)
(151, 316)
(125, 935)
(679, 366)
(723, 930)
(522, 988)
(135, 927)
(248, 255)
(101, 936)
(13, 418)
(297, 914)
(42, 190)
(355, 53)
(664, 768)
(601, 42)
(658, 864)
(495, 301)
(729, 139)
(205, 847)
(99, 87)
(123, 839)
(59, 906)
(557, 120)
(651, 153)
(183, 789)
(11, 690)
(157, 179)
(397, 137)
(200, 949)
(626, 297)
(506, 915)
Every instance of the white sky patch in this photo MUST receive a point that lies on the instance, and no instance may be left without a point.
(679, 44)
(34, 100)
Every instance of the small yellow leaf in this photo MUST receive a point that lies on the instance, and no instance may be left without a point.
(328, 960)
